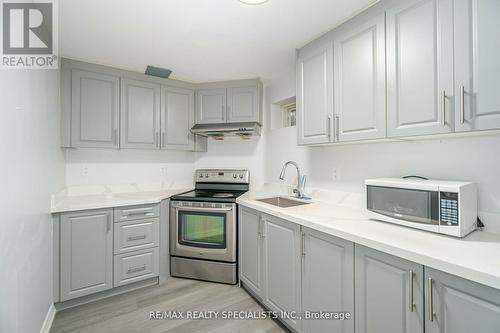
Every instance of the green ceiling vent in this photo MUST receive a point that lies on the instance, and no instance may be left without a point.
(157, 71)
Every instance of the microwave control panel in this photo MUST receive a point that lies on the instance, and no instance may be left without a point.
(449, 208)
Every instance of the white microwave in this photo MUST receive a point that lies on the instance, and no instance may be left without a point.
(445, 207)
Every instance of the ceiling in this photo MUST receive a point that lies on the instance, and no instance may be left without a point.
(200, 40)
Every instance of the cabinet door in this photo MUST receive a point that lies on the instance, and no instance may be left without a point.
(477, 65)
(95, 108)
(250, 246)
(420, 68)
(86, 253)
(314, 94)
(383, 293)
(177, 118)
(359, 81)
(211, 106)
(460, 306)
(327, 281)
(282, 269)
(140, 114)
(242, 104)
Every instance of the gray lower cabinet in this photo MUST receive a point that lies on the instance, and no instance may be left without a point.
(420, 68)
(95, 109)
(388, 293)
(456, 305)
(251, 251)
(136, 235)
(296, 270)
(106, 248)
(136, 266)
(140, 114)
(282, 262)
(136, 243)
(327, 281)
(177, 118)
(86, 253)
(477, 69)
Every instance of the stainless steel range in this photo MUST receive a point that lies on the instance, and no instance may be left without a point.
(203, 223)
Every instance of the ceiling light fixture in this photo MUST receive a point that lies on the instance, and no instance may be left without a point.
(253, 2)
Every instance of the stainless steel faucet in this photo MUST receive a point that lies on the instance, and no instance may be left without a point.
(301, 180)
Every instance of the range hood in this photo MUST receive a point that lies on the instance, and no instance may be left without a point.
(221, 130)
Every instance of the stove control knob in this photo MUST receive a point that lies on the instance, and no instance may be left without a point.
(241, 176)
(206, 175)
(201, 175)
(235, 175)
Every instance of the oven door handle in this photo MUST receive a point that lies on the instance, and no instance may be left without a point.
(205, 209)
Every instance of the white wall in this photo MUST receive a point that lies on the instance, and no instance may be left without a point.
(282, 142)
(32, 168)
(171, 169)
(235, 153)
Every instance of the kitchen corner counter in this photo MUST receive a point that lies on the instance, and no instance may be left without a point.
(474, 257)
(67, 203)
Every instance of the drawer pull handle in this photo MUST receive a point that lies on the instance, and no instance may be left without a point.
(132, 212)
(430, 302)
(136, 269)
(411, 304)
(134, 238)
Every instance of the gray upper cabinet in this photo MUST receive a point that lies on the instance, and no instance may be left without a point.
(229, 102)
(388, 293)
(455, 305)
(251, 250)
(359, 80)
(86, 253)
(95, 108)
(420, 68)
(177, 118)
(315, 94)
(105, 107)
(282, 262)
(140, 114)
(211, 106)
(327, 281)
(243, 104)
(477, 65)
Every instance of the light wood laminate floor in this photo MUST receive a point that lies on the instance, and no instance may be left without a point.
(130, 312)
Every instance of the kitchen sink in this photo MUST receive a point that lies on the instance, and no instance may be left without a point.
(282, 202)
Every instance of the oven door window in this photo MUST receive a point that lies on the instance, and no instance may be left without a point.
(404, 204)
(199, 229)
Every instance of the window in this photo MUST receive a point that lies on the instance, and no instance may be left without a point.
(289, 114)
(284, 113)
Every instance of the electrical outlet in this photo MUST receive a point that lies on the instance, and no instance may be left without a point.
(336, 174)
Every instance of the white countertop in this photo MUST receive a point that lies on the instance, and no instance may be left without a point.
(474, 257)
(64, 202)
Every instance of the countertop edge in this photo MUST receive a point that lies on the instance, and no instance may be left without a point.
(121, 202)
(422, 259)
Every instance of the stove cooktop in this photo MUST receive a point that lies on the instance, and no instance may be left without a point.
(209, 195)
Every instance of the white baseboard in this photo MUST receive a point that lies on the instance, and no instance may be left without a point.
(49, 318)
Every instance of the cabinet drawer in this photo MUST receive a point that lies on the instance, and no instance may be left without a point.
(136, 235)
(136, 212)
(135, 266)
